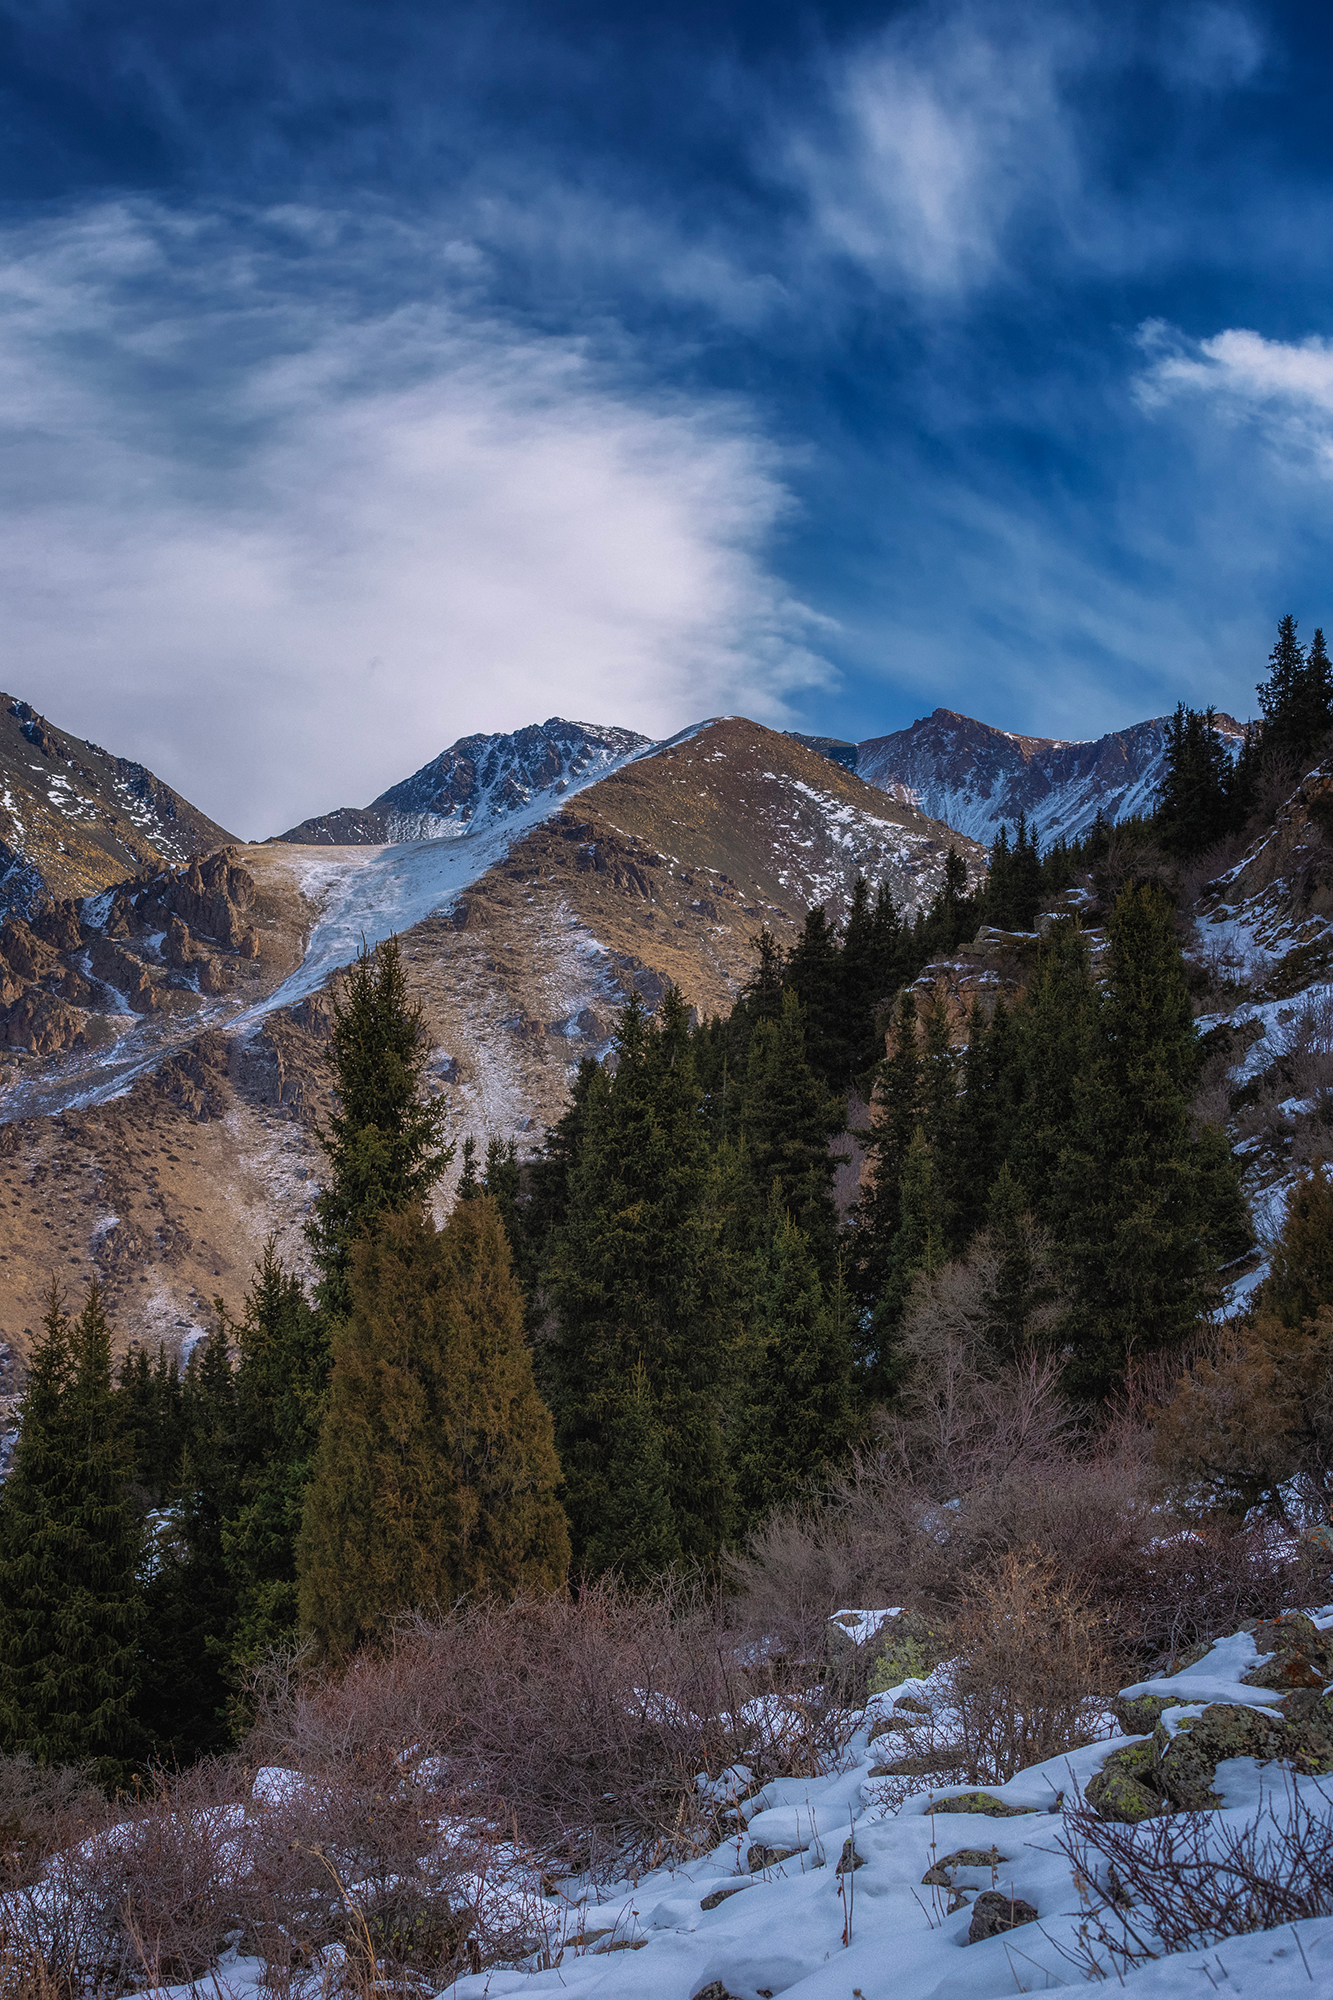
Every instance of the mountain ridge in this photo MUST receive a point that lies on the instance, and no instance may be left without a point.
(478, 778)
(978, 778)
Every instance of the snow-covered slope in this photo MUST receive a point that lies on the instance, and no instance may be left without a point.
(835, 1887)
(978, 778)
(478, 781)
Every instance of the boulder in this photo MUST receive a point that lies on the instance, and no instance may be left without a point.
(1141, 1716)
(1296, 1653)
(760, 1857)
(942, 1874)
(850, 1860)
(1127, 1787)
(978, 1802)
(993, 1914)
(1188, 1761)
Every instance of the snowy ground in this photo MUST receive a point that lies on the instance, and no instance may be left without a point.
(801, 1927)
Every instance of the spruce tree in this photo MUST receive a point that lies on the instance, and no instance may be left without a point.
(920, 1245)
(787, 1118)
(189, 1595)
(796, 1424)
(1195, 807)
(436, 1475)
(280, 1386)
(1127, 1201)
(70, 1543)
(897, 1108)
(814, 974)
(384, 1141)
(635, 1279)
(1300, 1278)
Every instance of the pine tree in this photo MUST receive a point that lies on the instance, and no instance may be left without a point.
(814, 974)
(1315, 717)
(635, 1278)
(384, 1144)
(1297, 697)
(1023, 1286)
(436, 1474)
(189, 1596)
(469, 1181)
(787, 1118)
(897, 1108)
(920, 1245)
(281, 1386)
(1300, 1278)
(861, 972)
(1127, 1198)
(69, 1549)
(1049, 1053)
(1195, 806)
(797, 1422)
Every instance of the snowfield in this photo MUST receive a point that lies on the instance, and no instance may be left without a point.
(740, 1922)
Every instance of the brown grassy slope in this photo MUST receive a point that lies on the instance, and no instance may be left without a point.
(662, 872)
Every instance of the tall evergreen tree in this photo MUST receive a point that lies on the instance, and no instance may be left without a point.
(1297, 697)
(1127, 1196)
(796, 1421)
(189, 1596)
(1300, 1278)
(1195, 805)
(814, 974)
(787, 1117)
(384, 1141)
(280, 1390)
(635, 1277)
(436, 1474)
(70, 1542)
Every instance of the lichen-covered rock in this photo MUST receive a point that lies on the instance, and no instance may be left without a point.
(760, 1857)
(1127, 1788)
(978, 1802)
(1296, 1654)
(1141, 1716)
(1188, 1762)
(993, 1914)
(942, 1874)
(850, 1860)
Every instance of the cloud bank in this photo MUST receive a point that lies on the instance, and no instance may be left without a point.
(305, 540)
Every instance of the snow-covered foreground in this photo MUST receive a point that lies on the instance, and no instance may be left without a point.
(742, 1922)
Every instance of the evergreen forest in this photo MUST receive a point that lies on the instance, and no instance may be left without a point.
(695, 1307)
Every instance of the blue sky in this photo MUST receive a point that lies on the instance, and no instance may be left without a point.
(372, 374)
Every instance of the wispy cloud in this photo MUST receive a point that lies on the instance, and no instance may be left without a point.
(304, 540)
(1282, 387)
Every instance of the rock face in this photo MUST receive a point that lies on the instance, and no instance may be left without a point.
(978, 778)
(148, 946)
(74, 818)
(476, 779)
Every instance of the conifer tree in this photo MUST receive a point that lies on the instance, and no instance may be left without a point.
(861, 971)
(897, 1108)
(814, 975)
(1023, 1284)
(469, 1181)
(796, 1424)
(1195, 806)
(1300, 1278)
(436, 1474)
(920, 1245)
(69, 1549)
(787, 1117)
(189, 1595)
(384, 1142)
(1127, 1199)
(281, 1384)
(636, 1279)
(1049, 1054)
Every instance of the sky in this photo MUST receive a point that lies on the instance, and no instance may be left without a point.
(373, 374)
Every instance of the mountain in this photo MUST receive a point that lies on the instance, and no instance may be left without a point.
(978, 778)
(75, 819)
(157, 1124)
(476, 781)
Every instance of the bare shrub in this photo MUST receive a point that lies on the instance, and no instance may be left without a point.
(1188, 1881)
(580, 1724)
(1032, 1668)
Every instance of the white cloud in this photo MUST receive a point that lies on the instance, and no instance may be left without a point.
(1283, 387)
(943, 128)
(284, 546)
